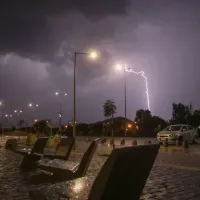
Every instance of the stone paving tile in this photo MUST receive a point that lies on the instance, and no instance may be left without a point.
(164, 183)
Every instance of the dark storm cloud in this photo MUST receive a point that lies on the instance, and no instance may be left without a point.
(159, 37)
(25, 28)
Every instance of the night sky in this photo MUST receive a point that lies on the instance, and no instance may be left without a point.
(37, 42)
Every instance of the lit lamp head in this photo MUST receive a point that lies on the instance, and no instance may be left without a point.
(36, 105)
(15, 111)
(56, 93)
(129, 125)
(30, 104)
(119, 67)
(1, 103)
(93, 54)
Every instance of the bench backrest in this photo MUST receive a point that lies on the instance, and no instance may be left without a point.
(124, 174)
(39, 145)
(87, 157)
(65, 147)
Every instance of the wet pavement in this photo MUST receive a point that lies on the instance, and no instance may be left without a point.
(175, 175)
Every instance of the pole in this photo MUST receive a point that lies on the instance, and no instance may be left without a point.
(60, 121)
(125, 101)
(74, 115)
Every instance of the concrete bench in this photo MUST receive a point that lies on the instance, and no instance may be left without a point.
(65, 170)
(122, 177)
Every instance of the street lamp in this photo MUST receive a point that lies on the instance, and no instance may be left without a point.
(33, 106)
(120, 67)
(17, 112)
(92, 55)
(129, 125)
(61, 94)
(8, 116)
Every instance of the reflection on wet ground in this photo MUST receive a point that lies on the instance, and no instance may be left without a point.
(175, 175)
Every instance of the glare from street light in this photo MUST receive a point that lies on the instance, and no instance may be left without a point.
(36, 105)
(93, 55)
(20, 111)
(65, 94)
(10, 115)
(1, 103)
(15, 111)
(56, 93)
(129, 125)
(6, 115)
(119, 67)
(30, 104)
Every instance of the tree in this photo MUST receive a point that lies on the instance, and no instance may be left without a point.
(158, 123)
(181, 113)
(21, 123)
(144, 123)
(43, 126)
(110, 109)
(194, 120)
(147, 124)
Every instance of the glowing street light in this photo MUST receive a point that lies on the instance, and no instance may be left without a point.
(17, 112)
(33, 106)
(119, 67)
(92, 55)
(61, 94)
(1, 103)
(129, 125)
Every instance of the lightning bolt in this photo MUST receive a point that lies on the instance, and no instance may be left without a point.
(146, 83)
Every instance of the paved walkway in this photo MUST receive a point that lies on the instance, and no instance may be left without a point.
(175, 175)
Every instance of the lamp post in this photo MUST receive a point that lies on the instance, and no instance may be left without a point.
(93, 55)
(1, 124)
(33, 106)
(18, 112)
(120, 68)
(61, 94)
(9, 117)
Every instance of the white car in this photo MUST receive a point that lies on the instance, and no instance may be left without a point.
(179, 131)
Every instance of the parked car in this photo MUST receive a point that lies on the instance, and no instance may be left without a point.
(179, 131)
